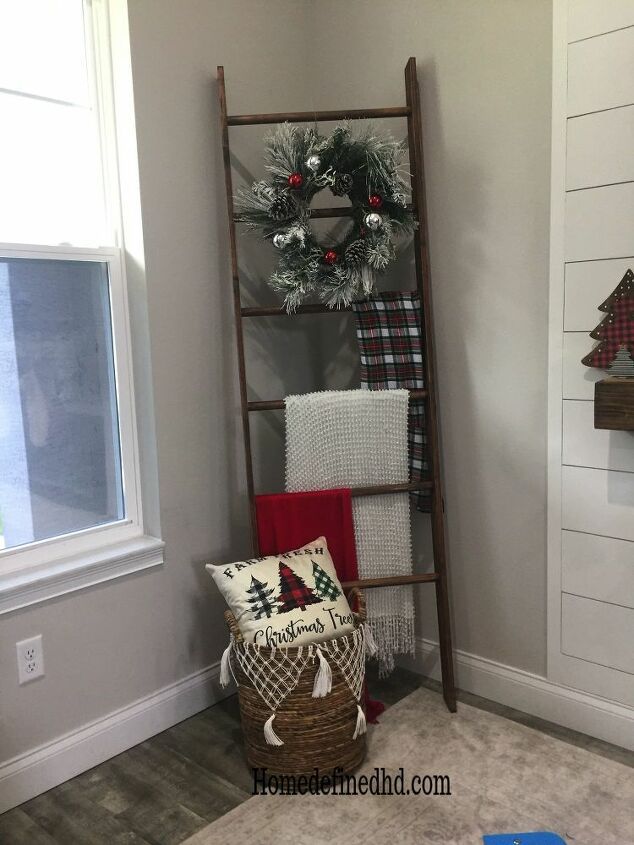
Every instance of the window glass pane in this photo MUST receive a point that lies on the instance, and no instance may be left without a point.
(60, 465)
(50, 174)
(42, 48)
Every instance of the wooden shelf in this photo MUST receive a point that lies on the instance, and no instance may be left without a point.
(614, 404)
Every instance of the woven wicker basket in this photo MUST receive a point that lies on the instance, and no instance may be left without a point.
(317, 732)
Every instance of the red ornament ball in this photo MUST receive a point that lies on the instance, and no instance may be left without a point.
(331, 257)
(295, 180)
(375, 201)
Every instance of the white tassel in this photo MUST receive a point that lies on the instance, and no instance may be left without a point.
(269, 734)
(323, 678)
(361, 723)
(225, 677)
(371, 647)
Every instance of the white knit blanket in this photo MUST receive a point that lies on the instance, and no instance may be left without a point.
(354, 438)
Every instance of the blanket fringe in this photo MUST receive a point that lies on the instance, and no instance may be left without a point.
(371, 647)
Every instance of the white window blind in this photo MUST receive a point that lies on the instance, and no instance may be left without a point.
(50, 152)
(70, 487)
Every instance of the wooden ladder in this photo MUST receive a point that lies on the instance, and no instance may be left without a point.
(412, 112)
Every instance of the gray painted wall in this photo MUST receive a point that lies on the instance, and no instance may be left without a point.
(485, 73)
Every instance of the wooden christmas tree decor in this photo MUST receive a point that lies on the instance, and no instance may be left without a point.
(614, 396)
(617, 328)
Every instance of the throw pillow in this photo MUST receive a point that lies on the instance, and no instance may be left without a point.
(289, 599)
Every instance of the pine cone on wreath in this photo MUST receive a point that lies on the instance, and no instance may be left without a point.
(342, 184)
(355, 253)
(282, 207)
(339, 137)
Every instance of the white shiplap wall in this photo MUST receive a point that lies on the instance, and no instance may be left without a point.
(591, 473)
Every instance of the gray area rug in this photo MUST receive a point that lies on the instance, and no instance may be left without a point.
(505, 778)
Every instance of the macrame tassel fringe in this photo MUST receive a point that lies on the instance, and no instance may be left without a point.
(323, 678)
(269, 734)
(371, 647)
(225, 677)
(361, 726)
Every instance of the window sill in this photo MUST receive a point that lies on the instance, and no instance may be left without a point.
(37, 584)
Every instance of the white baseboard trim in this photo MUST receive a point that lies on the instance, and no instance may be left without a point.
(534, 694)
(29, 774)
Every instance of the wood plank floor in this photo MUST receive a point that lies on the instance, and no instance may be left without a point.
(165, 789)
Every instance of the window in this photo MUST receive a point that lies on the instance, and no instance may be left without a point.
(69, 476)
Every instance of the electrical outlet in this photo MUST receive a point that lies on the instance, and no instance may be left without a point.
(30, 659)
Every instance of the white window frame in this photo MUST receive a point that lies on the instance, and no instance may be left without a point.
(54, 566)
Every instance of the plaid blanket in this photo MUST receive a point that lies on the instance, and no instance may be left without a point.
(390, 343)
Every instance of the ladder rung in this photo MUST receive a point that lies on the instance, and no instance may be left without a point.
(316, 116)
(344, 211)
(381, 489)
(268, 405)
(335, 211)
(391, 581)
(280, 311)
(278, 404)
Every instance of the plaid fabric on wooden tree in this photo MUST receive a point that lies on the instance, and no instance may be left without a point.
(617, 328)
(390, 344)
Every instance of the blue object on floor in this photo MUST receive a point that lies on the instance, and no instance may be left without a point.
(524, 839)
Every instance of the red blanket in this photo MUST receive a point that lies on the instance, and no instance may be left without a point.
(290, 520)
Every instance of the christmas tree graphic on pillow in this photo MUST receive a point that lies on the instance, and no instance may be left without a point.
(294, 594)
(260, 599)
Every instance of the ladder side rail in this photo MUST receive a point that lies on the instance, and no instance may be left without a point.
(423, 277)
(237, 311)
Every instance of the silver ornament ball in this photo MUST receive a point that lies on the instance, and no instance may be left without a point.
(373, 221)
(279, 240)
(313, 163)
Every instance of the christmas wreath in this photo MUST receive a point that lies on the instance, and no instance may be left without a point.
(301, 162)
